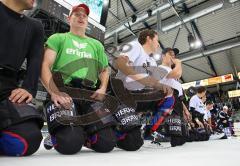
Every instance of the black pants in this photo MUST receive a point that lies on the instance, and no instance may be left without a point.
(178, 140)
(22, 139)
(130, 141)
(69, 140)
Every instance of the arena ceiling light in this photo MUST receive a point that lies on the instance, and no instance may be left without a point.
(193, 42)
(198, 44)
(232, 1)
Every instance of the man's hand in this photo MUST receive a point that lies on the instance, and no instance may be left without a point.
(192, 124)
(175, 61)
(99, 94)
(61, 99)
(19, 95)
(200, 124)
(206, 123)
(188, 115)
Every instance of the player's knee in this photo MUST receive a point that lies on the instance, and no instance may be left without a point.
(103, 141)
(34, 141)
(132, 141)
(69, 140)
(18, 145)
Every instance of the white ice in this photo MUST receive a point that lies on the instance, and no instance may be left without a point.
(213, 152)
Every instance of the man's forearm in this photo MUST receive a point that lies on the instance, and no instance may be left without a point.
(185, 109)
(104, 78)
(34, 60)
(210, 122)
(129, 71)
(47, 80)
(121, 64)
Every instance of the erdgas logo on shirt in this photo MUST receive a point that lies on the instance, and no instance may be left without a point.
(77, 50)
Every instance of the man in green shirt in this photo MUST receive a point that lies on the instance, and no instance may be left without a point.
(79, 59)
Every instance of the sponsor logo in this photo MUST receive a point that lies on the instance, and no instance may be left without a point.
(124, 111)
(175, 128)
(53, 115)
(79, 45)
(77, 50)
(81, 54)
(60, 114)
(129, 119)
(174, 121)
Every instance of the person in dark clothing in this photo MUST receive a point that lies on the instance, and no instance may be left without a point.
(21, 38)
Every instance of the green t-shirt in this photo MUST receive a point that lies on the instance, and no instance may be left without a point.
(77, 57)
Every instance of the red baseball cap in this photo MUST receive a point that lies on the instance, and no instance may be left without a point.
(84, 6)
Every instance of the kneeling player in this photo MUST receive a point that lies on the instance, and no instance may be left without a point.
(82, 62)
(168, 104)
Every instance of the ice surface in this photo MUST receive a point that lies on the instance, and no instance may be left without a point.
(213, 152)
